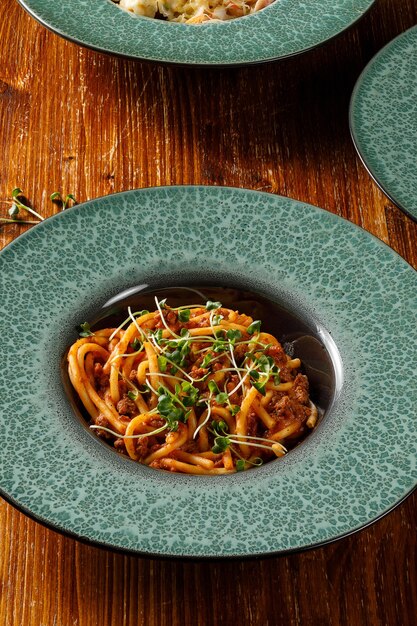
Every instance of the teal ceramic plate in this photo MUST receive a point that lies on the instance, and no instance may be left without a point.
(356, 292)
(285, 28)
(383, 120)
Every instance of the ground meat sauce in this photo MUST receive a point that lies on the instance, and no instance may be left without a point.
(126, 406)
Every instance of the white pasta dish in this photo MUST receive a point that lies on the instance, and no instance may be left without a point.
(193, 11)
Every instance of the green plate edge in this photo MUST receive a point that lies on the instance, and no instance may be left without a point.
(285, 28)
(353, 469)
(383, 120)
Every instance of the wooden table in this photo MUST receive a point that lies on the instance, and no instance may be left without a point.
(76, 121)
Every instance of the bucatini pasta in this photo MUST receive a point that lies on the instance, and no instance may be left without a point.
(197, 389)
(193, 11)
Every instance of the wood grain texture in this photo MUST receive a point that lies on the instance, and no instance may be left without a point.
(77, 121)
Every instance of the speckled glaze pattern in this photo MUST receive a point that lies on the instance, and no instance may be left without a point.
(284, 28)
(383, 119)
(356, 466)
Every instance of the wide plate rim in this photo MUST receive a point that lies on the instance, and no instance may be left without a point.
(170, 61)
(354, 132)
(307, 545)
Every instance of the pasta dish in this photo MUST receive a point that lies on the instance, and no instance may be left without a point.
(193, 11)
(197, 389)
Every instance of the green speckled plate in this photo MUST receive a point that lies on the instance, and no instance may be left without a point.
(356, 466)
(383, 120)
(285, 28)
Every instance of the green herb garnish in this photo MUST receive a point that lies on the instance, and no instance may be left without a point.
(233, 334)
(136, 344)
(255, 327)
(206, 361)
(171, 413)
(18, 204)
(57, 197)
(220, 444)
(213, 387)
(190, 394)
(184, 315)
(85, 330)
(220, 428)
(222, 398)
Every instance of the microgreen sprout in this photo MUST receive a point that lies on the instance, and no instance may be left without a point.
(241, 463)
(172, 414)
(221, 444)
(211, 306)
(161, 304)
(171, 376)
(214, 320)
(173, 407)
(119, 436)
(206, 361)
(180, 354)
(155, 338)
(219, 427)
(208, 402)
(184, 315)
(271, 441)
(213, 386)
(222, 398)
(265, 369)
(177, 367)
(116, 330)
(5, 220)
(14, 211)
(220, 346)
(232, 336)
(220, 430)
(57, 197)
(187, 306)
(190, 394)
(17, 204)
(238, 386)
(85, 330)
(126, 321)
(255, 327)
(133, 318)
(136, 345)
(223, 440)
